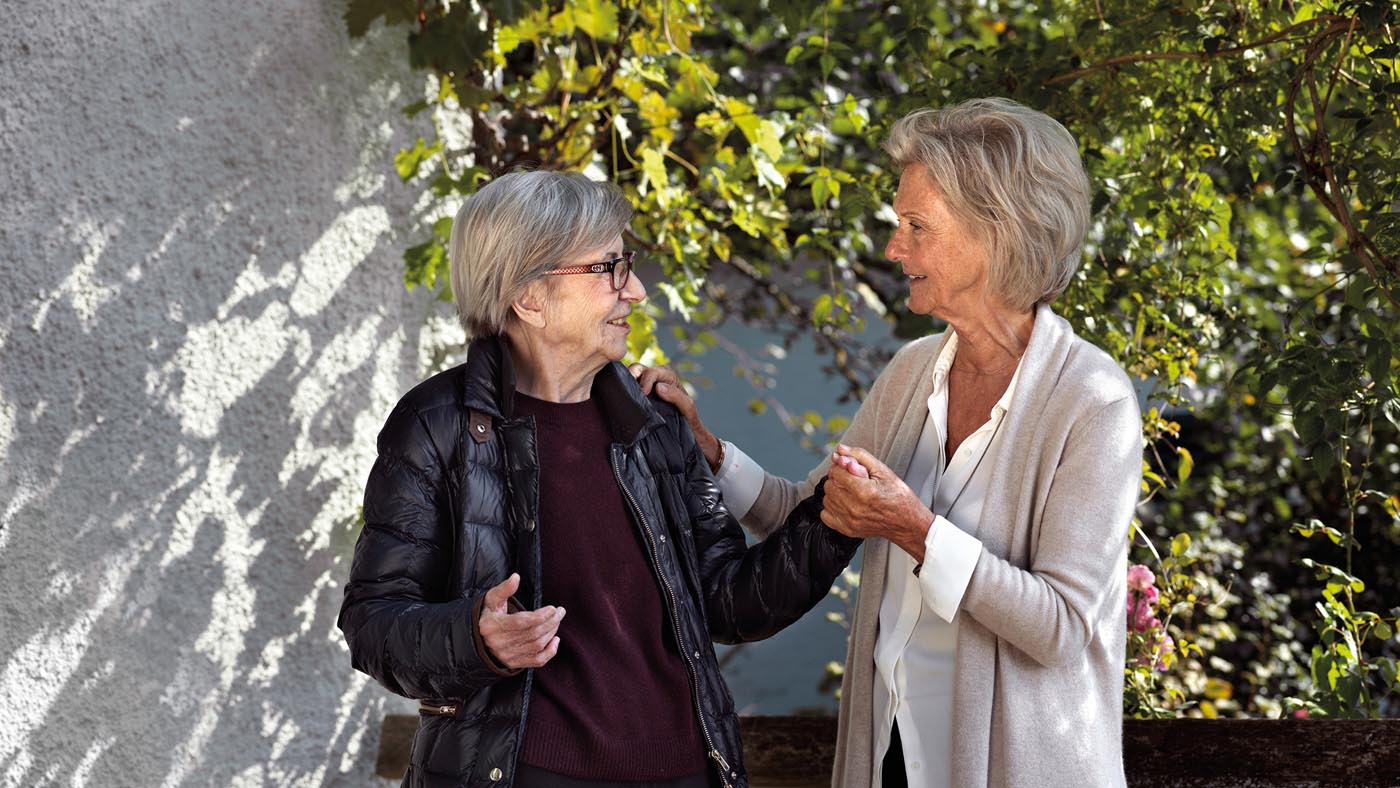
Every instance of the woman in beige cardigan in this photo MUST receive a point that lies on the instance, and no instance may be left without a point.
(993, 472)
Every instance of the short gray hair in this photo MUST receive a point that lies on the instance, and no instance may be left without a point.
(513, 229)
(1014, 175)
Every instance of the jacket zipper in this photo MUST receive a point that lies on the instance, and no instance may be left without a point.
(714, 753)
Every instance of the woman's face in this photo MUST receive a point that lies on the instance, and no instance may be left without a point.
(946, 266)
(585, 318)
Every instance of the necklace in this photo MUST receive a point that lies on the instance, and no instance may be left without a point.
(968, 481)
(933, 498)
(970, 370)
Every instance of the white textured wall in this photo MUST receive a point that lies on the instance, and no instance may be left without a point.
(202, 324)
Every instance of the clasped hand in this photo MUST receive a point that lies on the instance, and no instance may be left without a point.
(864, 498)
(524, 639)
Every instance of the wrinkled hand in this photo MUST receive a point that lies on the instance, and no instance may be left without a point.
(668, 386)
(518, 640)
(864, 498)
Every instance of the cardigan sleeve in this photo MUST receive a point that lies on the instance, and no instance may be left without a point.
(871, 424)
(1049, 609)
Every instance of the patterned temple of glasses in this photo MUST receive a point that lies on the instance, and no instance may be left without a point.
(619, 267)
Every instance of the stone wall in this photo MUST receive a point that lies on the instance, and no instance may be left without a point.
(202, 325)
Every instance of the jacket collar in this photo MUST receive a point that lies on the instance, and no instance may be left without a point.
(487, 373)
(488, 385)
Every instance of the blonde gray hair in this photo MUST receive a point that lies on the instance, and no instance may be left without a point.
(1015, 177)
(513, 229)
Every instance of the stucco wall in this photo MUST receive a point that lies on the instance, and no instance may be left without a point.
(202, 323)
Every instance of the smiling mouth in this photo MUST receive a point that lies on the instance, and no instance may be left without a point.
(914, 278)
(620, 322)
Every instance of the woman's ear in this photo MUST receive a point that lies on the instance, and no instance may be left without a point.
(530, 305)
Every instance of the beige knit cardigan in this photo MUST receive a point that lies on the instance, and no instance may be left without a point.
(1041, 630)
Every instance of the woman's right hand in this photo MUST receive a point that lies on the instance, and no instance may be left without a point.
(525, 639)
(667, 385)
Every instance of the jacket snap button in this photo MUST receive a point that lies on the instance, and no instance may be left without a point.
(530, 526)
(697, 655)
(663, 537)
(481, 428)
(495, 773)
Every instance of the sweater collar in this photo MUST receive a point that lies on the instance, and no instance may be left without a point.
(488, 386)
(1045, 356)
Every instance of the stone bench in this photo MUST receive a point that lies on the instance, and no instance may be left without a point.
(796, 752)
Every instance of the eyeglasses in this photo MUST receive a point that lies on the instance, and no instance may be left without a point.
(619, 267)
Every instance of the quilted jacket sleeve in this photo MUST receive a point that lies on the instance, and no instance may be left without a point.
(753, 592)
(399, 621)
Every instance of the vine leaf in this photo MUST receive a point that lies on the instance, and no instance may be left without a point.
(360, 14)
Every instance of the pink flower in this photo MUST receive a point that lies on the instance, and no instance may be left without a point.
(1301, 714)
(1143, 621)
(1140, 615)
(1141, 579)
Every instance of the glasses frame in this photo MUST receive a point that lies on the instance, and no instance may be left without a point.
(607, 266)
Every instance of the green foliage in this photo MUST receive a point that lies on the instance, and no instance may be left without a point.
(1148, 689)
(1243, 257)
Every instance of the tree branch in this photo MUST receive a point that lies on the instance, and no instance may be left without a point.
(1320, 175)
(826, 334)
(1341, 58)
(1205, 56)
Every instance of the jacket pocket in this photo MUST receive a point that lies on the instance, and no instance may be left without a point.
(433, 757)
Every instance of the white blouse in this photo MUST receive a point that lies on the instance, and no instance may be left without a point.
(914, 652)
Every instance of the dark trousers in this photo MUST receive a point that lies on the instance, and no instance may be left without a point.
(527, 776)
(892, 773)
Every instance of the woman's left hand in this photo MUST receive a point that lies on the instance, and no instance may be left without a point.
(879, 504)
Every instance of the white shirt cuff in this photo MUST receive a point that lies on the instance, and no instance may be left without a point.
(740, 480)
(950, 555)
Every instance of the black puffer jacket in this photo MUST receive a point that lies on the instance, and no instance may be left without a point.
(450, 511)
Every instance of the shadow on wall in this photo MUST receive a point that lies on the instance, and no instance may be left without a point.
(203, 326)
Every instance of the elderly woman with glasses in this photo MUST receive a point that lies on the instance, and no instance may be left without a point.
(992, 471)
(545, 556)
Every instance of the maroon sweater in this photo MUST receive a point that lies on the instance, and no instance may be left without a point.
(614, 703)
